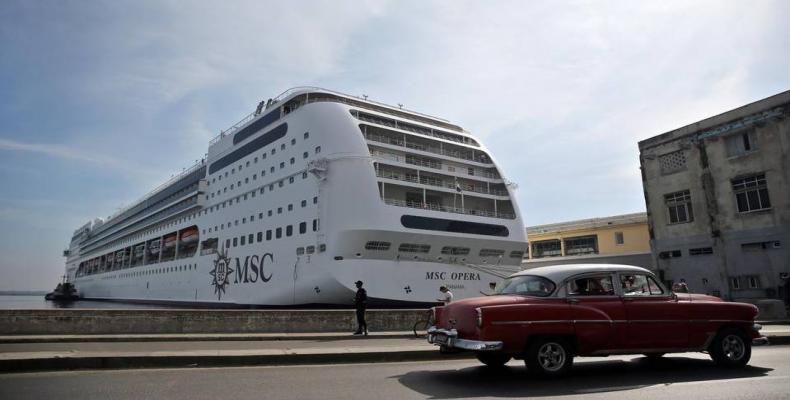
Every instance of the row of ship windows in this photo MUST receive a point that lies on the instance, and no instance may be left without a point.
(316, 150)
(154, 271)
(209, 246)
(449, 250)
(269, 213)
(280, 183)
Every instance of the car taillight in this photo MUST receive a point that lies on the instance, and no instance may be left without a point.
(479, 317)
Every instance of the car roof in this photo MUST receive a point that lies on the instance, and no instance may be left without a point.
(558, 273)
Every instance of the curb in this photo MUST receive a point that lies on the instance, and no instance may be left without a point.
(20, 339)
(37, 364)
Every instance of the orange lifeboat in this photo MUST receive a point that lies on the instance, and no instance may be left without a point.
(189, 235)
(170, 241)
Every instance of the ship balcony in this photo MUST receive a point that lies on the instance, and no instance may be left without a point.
(454, 202)
(395, 139)
(452, 186)
(433, 165)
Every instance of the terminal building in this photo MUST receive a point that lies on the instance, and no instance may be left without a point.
(718, 201)
(620, 239)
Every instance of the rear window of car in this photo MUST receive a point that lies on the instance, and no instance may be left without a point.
(528, 285)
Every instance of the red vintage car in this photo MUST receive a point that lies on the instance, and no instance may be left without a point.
(549, 315)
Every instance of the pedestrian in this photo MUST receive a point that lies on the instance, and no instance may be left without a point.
(491, 289)
(787, 292)
(360, 303)
(681, 287)
(447, 295)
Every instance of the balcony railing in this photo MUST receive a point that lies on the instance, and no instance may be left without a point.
(430, 181)
(439, 207)
(434, 165)
(427, 148)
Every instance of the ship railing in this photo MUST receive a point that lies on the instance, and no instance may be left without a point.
(442, 208)
(426, 148)
(233, 128)
(152, 192)
(423, 180)
(408, 160)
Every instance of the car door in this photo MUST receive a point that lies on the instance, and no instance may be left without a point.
(597, 311)
(656, 320)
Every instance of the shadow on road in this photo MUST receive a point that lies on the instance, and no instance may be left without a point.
(588, 377)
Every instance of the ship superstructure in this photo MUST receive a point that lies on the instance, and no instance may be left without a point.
(308, 194)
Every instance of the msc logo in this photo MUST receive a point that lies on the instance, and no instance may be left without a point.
(221, 273)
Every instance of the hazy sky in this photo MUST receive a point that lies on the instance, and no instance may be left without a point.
(102, 101)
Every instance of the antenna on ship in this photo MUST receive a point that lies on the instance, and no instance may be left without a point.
(364, 96)
(400, 105)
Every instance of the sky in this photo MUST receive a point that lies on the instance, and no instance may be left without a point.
(101, 101)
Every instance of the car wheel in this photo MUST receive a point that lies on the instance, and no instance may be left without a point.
(549, 357)
(730, 348)
(493, 359)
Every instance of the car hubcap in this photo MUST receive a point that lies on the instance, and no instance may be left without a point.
(733, 347)
(551, 356)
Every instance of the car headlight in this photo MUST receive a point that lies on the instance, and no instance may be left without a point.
(479, 317)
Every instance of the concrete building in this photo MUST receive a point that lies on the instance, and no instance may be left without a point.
(718, 201)
(620, 239)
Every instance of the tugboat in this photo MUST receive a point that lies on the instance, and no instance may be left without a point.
(65, 291)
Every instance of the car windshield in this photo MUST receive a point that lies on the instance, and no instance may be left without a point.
(529, 285)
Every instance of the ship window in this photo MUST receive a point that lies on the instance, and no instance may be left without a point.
(271, 187)
(304, 203)
(290, 207)
(254, 176)
(292, 160)
(253, 194)
(377, 245)
(306, 135)
(238, 184)
(456, 251)
(280, 183)
(516, 254)
(310, 249)
(260, 237)
(279, 210)
(446, 225)
(491, 253)
(274, 151)
(293, 142)
(282, 146)
(315, 225)
(289, 230)
(317, 149)
(246, 180)
(299, 251)
(235, 242)
(302, 227)
(260, 215)
(269, 234)
(322, 247)
(278, 233)
(243, 240)
(255, 160)
(282, 165)
(414, 248)
(233, 171)
(315, 200)
(305, 155)
(252, 218)
(261, 191)
(250, 238)
(263, 156)
(271, 169)
(270, 213)
(244, 220)
(291, 180)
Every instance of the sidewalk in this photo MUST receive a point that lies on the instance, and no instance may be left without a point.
(39, 353)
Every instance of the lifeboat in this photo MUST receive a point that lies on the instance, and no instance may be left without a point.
(189, 236)
(170, 241)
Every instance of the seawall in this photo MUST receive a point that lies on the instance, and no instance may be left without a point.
(100, 321)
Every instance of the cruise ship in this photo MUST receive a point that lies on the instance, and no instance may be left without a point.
(308, 194)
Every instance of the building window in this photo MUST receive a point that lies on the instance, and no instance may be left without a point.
(305, 155)
(304, 203)
(278, 233)
(757, 246)
(260, 236)
(618, 238)
(751, 193)
(289, 230)
(414, 248)
(235, 242)
(375, 245)
(735, 283)
(679, 207)
(317, 149)
(302, 227)
(306, 135)
(753, 281)
(740, 143)
(269, 234)
(581, 245)
(546, 248)
(310, 249)
(701, 251)
(315, 225)
(243, 240)
(299, 251)
(250, 238)
(669, 254)
(672, 162)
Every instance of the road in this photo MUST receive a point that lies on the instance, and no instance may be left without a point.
(679, 376)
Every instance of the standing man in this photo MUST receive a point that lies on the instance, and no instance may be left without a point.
(447, 295)
(360, 302)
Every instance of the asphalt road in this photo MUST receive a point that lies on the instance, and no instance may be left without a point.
(680, 376)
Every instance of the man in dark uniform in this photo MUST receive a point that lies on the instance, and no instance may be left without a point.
(360, 302)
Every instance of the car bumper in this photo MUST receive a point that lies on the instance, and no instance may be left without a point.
(449, 339)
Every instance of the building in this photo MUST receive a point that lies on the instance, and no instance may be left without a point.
(718, 201)
(620, 239)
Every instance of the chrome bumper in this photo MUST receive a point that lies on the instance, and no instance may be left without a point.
(449, 339)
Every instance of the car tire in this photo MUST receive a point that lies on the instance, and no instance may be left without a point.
(730, 348)
(549, 357)
(493, 360)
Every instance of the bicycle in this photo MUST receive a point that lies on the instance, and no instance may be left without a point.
(420, 327)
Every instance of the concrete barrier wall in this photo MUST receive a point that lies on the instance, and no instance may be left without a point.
(85, 321)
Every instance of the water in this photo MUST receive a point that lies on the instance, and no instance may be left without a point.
(26, 302)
